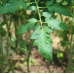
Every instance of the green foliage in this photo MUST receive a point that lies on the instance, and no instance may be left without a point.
(49, 2)
(41, 33)
(59, 9)
(24, 28)
(44, 40)
(12, 7)
(56, 24)
(42, 24)
(47, 14)
(32, 8)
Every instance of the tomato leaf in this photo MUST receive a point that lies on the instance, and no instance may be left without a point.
(56, 24)
(43, 40)
(12, 7)
(59, 9)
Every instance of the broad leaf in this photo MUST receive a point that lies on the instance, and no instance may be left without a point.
(50, 9)
(59, 9)
(43, 40)
(56, 24)
(12, 7)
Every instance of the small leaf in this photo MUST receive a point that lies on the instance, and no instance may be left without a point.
(32, 20)
(46, 14)
(32, 8)
(49, 2)
(56, 24)
(22, 29)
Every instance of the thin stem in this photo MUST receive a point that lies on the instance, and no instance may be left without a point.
(42, 7)
(15, 25)
(70, 52)
(7, 36)
(2, 54)
(38, 12)
(29, 55)
(9, 64)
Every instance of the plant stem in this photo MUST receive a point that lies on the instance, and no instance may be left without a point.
(2, 54)
(15, 25)
(42, 7)
(38, 12)
(70, 52)
(7, 48)
(29, 55)
(10, 66)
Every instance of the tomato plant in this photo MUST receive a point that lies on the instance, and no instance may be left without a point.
(42, 23)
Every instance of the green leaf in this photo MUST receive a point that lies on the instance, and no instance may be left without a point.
(59, 9)
(47, 29)
(46, 14)
(12, 7)
(32, 20)
(44, 43)
(32, 8)
(57, 24)
(24, 28)
(30, 25)
(50, 9)
(37, 26)
(49, 2)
